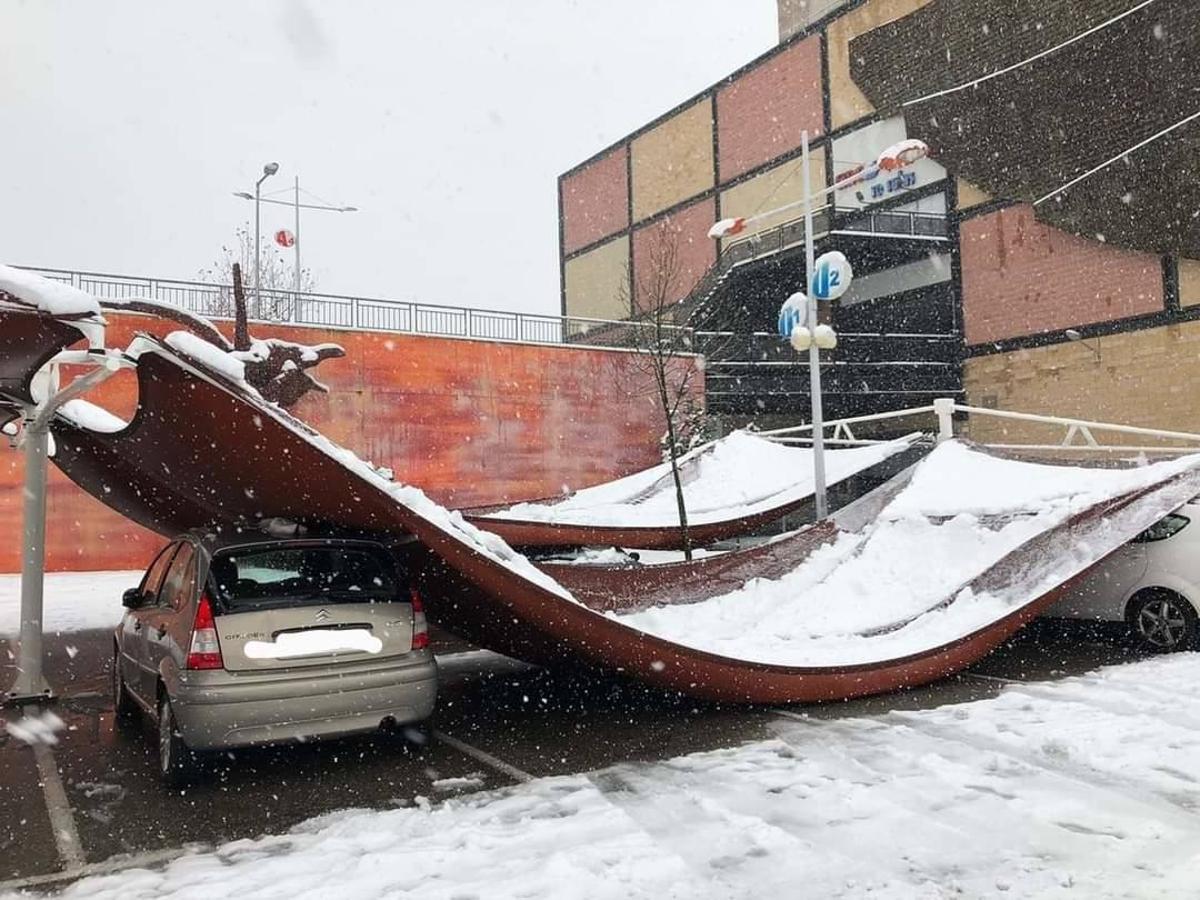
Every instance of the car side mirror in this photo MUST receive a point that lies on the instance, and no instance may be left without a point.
(132, 598)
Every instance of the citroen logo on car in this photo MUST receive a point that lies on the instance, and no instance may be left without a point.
(322, 615)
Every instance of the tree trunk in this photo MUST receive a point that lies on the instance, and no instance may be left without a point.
(241, 329)
(672, 449)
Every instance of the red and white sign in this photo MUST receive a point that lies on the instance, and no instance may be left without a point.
(285, 238)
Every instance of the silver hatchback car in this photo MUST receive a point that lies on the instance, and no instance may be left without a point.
(229, 642)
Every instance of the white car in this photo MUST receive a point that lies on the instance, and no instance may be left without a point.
(1152, 584)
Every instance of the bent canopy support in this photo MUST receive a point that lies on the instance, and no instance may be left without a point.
(30, 340)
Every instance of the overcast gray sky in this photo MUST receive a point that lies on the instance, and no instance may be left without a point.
(126, 125)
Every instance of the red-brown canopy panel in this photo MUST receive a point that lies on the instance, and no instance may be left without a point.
(28, 340)
(758, 490)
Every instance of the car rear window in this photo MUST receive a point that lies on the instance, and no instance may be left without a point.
(264, 577)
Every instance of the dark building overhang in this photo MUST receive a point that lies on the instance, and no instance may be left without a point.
(1025, 133)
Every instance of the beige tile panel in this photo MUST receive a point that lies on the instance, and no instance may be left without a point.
(847, 102)
(797, 14)
(673, 161)
(1189, 282)
(1143, 378)
(969, 195)
(775, 187)
(597, 282)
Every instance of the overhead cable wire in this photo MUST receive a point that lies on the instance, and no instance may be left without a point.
(1034, 58)
(1119, 156)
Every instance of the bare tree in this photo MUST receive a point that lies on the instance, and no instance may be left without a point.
(278, 280)
(664, 355)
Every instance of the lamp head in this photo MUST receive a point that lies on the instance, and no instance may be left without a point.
(270, 168)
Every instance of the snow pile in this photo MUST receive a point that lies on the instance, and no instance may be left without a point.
(736, 476)
(74, 601)
(1074, 789)
(898, 587)
(87, 415)
(51, 297)
(36, 729)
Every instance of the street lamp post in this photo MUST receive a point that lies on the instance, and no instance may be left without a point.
(836, 274)
(814, 352)
(268, 170)
(296, 207)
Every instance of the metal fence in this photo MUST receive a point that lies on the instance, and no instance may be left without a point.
(368, 314)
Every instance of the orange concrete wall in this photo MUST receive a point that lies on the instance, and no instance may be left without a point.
(471, 422)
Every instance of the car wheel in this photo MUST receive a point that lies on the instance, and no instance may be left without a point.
(176, 763)
(1162, 621)
(124, 709)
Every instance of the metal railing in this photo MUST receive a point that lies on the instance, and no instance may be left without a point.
(1079, 435)
(215, 301)
(790, 234)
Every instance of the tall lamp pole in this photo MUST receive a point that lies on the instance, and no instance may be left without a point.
(268, 170)
(296, 206)
(825, 279)
(814, 352)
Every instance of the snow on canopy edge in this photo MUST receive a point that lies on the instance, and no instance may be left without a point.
(91, 417)
(46, 295)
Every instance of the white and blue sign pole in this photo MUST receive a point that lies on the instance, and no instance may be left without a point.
(814, 353)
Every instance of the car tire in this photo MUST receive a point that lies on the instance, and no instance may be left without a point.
(177, 765)
(1162, 621)
(124, 709)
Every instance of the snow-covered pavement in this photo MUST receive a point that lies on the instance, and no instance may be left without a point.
(74, 601)
(1087, 787)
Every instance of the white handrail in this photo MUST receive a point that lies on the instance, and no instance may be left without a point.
(945, 408)
(1078, 423)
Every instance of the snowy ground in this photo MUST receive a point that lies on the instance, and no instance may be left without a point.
(1082, 788)
(74, 601)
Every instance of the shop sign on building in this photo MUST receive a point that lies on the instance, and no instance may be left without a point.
(854, 156)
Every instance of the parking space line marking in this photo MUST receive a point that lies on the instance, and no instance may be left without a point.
(787, 713)
(62, 821)
(993, 678)
(106, 867)
(483, 756)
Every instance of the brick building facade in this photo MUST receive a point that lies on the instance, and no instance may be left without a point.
(1008, 284)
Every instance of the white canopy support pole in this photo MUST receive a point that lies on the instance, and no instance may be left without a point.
(30, 684)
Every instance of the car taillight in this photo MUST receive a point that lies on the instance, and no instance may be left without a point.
(205, 650)
(420, 638)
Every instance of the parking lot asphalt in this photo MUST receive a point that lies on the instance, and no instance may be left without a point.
(94, 800)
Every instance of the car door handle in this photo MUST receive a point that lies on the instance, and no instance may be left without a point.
(137, 625)
(160, 632)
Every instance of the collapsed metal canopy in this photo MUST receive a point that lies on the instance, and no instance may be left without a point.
(204, 452)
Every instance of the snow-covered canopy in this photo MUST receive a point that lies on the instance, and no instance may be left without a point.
(50, 297)
(898, 587)
(738, 475)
